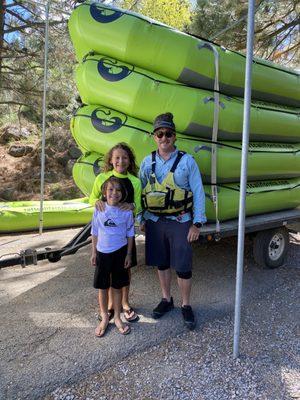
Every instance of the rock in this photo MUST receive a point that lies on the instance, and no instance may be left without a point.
(69, 166)
(19, 150)
(63, 159)
(74, 152)
(7, 194)
(12, 132)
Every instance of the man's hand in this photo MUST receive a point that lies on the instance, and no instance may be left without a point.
(142, 227)
(193, 234)
(93, 260)
(126, 206)
(128, 261)
(100, 205)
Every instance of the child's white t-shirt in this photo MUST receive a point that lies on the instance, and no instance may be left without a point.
(112, 226)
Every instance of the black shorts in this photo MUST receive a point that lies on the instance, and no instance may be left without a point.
(167, 245)
(110, 270)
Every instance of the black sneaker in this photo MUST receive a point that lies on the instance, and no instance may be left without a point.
(188, 317)
(163, 307)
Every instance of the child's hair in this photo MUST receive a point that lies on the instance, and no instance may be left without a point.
(113, 180)
(132, 169)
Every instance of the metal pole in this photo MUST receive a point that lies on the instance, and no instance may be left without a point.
(243, 180)
(44, 117)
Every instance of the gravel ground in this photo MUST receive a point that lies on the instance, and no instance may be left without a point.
(199, 365)
(47, 320)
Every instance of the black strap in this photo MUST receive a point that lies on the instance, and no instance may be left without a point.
(186, 195)
(174, 166)
(176, 162)
(174, 214)
(153, 161)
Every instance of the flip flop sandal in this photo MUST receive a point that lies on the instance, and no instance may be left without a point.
(130, 310)
(125, 330)
(111, 314)
(100, 335)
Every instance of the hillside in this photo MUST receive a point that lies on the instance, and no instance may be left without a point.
(20, 163)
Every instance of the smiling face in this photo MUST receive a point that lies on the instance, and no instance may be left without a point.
(120, 161)
(165, 139)
(113, 193)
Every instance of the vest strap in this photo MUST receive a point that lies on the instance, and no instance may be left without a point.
(174, 166)
(176, 162)
(153, 163)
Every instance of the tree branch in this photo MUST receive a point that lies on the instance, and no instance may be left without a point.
(17, 16)
(282, 18)
(17, 103)
(33, 24)
(283, 28)
(287, 50)
(279, 42)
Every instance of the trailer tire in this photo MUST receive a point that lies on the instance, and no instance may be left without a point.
(270, 247)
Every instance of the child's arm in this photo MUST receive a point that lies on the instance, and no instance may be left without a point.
(94, 233)
(128, 259)
(130, 238)
(94, 250)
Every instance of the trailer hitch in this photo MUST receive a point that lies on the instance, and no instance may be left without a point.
(32, 256)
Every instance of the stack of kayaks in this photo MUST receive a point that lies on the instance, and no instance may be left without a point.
(132, 68)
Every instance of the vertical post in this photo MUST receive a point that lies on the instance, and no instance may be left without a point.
(243, 180)
(44, 116)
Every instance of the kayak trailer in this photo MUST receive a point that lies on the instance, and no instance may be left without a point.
(269, 234)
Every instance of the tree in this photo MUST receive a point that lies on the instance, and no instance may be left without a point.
(175, 13)
(276, 26)
(22, 28)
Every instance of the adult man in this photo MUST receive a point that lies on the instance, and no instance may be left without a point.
(174, 203)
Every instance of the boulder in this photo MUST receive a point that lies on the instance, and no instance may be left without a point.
(69, 167)
(7, 194)
(20, 150)
(12, 132)
(63, 159)
(74, 152)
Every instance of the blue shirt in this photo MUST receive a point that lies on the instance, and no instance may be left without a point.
(187, 176)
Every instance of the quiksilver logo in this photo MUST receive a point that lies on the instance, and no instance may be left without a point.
(109, 222)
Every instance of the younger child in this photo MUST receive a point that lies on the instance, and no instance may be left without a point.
(112, 243)
(120, 162)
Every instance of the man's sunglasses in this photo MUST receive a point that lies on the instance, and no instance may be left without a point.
(167, 134)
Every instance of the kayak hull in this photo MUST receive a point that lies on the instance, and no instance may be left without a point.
(144, 95)
(24, 215)
(97, 129)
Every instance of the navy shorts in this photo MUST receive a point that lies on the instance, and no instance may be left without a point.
(167, 244)
(110, 270)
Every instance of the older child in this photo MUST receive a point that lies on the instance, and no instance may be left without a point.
(120, 162)
(112, 242)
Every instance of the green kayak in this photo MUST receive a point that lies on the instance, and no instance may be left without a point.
(144, 95)
(98, 129)
(24, 215)
(262, 196)
(138, 40)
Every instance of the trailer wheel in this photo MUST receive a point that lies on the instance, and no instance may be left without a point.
(270, 247)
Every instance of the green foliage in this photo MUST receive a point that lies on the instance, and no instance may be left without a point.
(175, 13)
